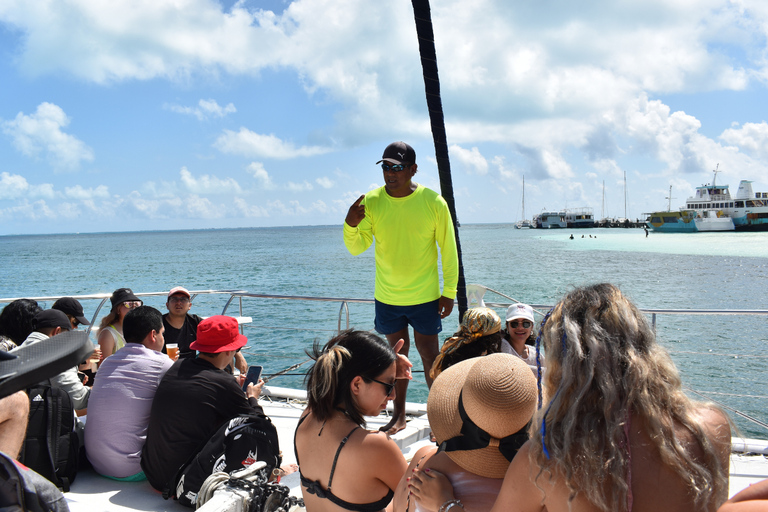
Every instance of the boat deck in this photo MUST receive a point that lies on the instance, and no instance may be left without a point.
(92, 492)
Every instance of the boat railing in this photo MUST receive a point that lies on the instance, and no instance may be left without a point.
(343, 321)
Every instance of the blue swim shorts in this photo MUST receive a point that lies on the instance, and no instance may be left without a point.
(424, 318)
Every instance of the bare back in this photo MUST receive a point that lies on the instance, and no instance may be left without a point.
(368, 467)
(655, 486)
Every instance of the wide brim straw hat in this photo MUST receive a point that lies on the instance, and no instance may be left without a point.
(499, 395)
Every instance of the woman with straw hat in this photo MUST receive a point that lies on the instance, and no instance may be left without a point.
(478, 410)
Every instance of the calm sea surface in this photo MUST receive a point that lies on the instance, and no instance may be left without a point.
(723, 356)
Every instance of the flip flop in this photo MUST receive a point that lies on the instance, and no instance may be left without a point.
(29, 364)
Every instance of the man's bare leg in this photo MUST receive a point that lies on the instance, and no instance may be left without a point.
(397, 423)
(14, 413)
(427, 345)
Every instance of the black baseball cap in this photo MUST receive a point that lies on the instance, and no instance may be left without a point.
(398, 153)
(71, 306)
(123, 295)
(51, 318)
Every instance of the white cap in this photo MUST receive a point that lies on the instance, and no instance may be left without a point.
(520, 311)
(179, 289)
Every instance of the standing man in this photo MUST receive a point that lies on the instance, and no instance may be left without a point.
(409, 222)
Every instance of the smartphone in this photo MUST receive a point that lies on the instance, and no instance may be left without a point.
(254, 374)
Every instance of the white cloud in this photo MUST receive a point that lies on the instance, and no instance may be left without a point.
(257, 170)
(473, 161)
(206, 184)
(251, 144)
(325, 182)
(204, 109)
(12, 186)
(41, 132)
(751, 137)
(245, 209)
(78, 192)
(299, 187)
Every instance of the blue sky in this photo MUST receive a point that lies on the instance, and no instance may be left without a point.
(127, 115)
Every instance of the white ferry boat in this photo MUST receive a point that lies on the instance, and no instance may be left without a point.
(579, 218)
(748, 211)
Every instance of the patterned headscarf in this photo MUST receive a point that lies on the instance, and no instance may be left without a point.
(477, 322)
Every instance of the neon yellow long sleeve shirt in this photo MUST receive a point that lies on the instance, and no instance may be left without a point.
(408, 231)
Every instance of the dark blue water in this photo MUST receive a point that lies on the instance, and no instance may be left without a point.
(715, 354)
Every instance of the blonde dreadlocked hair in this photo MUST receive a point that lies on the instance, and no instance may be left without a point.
(603, 364)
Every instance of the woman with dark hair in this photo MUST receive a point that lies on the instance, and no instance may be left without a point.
(519, 336)
(16, 322)
(111, 328)
(342, 464)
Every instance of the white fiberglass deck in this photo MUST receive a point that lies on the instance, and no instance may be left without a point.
(91, 492)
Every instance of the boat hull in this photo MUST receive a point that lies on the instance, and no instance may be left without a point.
(672, 222)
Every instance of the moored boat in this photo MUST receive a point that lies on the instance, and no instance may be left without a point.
(579, 218)
(672, 222)
(712, 220)
(549, 220)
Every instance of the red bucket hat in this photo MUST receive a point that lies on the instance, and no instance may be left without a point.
(218, 333)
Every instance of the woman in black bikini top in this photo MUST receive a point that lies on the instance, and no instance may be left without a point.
(343, 465)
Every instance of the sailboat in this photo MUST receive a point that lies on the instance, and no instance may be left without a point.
(525, 223)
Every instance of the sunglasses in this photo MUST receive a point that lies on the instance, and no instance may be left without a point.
(526, 324)
(179, 300)
(132, 304)
(387, 387)
(394, 168)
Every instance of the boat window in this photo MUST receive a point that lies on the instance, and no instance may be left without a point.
(750, 203)
(739, 204)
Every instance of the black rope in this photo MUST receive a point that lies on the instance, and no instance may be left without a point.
(423, 17)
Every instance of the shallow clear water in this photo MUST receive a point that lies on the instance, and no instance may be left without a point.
(721, 354)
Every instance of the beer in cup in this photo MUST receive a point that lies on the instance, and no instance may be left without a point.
(173, 350)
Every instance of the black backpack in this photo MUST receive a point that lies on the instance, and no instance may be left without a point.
(51, 446)
(236, 445)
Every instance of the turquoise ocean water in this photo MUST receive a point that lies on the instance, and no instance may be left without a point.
(724, 356)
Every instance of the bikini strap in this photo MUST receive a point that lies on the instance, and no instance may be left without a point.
(336, 458)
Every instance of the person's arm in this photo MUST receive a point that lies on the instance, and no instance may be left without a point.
(106, 343)
(240, 363)
(387, 459)
(446, 240)
(400, 502)
(752, 499)
(357, 229)
(70, 382)
(431, 489)
(519, 486)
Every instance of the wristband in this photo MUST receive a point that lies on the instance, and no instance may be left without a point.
(450, 503)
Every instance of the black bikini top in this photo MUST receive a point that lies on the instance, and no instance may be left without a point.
(314, 487)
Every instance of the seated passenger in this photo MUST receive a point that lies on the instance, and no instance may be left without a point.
(479, 410)
(111, 328)
(195, 398)
(478, 335)
(16, 322)
(341, 463)
(73, 309)
(118, 411)
(616, 431)
(519, 337)
(48, 324)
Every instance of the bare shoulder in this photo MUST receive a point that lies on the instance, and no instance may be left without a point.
(715, 424)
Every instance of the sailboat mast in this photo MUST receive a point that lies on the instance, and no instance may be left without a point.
(523, 197)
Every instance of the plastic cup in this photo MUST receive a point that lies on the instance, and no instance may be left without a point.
(172, 349)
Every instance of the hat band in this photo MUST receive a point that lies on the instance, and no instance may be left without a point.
(473, 437)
